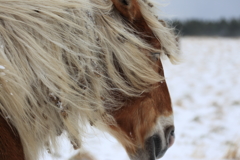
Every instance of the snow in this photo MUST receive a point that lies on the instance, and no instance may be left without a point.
(205, 91)
(2, 67)
(100, 145)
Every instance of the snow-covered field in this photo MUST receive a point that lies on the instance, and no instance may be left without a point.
(205, 90)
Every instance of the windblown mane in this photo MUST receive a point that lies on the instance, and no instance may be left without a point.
(65, 63)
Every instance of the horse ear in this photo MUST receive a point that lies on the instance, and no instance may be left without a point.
(128, 8)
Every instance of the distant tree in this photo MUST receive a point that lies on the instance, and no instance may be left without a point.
(234, 27)
(223, 27)
(208, 28)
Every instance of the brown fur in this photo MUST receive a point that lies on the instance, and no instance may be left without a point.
(10, 144)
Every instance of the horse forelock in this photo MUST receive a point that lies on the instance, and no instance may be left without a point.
(65, 63)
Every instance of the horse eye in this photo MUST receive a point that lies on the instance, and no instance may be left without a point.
(155, 56)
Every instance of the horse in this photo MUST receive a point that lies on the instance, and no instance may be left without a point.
(65, 64)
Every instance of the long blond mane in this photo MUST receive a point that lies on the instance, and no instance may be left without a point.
(62, 60)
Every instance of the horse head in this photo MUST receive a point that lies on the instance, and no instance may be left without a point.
(145, 124)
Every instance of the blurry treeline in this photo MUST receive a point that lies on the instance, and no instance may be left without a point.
(226, 28)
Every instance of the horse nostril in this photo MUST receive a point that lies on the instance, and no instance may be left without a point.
(157, 144)
(154, 144)
(170, 136)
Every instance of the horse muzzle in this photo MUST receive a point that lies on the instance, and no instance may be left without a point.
(154, 144)
(155, 147)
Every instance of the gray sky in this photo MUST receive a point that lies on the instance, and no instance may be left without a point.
(202, 9)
